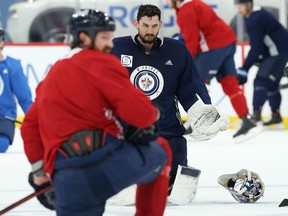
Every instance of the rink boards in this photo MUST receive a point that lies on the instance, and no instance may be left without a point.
(36, 59)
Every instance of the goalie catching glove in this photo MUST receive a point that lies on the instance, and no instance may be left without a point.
(206, 121)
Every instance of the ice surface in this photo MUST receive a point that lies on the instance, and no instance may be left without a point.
(266, 155)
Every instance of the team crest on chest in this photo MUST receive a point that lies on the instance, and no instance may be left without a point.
(149, 80)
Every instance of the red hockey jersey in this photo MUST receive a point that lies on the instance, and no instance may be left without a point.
(86, 91)
(201, 28)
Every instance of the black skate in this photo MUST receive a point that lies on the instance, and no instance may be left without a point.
(248, 129)
(275, 119)
(284, 203)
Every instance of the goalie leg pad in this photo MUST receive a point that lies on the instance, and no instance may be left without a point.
(185, 186)
(124, 198)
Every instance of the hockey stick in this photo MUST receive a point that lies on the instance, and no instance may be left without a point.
(220, 100)
(284, 203)
(284, 86)
(11, 119)
(25, 199)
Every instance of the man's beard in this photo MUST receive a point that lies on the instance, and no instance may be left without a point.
(148, 41)
(107, 49)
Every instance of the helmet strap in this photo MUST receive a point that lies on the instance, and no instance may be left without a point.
(92, 47)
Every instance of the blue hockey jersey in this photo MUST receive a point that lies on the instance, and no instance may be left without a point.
(166, 74)
(267, 36)
(13, 83)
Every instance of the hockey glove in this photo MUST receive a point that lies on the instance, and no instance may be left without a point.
(206, 121)
(242, 76)
(47, 198)
(141, 135)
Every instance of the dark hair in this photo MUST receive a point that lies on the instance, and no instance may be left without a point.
(149, 11)
(242, 1)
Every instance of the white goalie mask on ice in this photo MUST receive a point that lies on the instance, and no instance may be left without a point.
(245, 186)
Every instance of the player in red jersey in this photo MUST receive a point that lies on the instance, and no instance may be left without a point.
(72, 137)
(212, 43)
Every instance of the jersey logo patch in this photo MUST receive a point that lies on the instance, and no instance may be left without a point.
(127, 60)
(5, 71)
(169, 62)
(149, 80)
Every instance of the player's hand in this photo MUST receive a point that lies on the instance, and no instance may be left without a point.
(242, 76)
(39, 180)
(206, 121)
(141, 135)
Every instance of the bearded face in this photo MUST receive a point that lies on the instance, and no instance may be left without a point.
(104, 41)
(148, 38)
(148, 29)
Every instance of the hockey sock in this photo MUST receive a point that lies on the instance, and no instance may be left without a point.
(260, 93)
(274, 100)
(231, 88)
(151, 197)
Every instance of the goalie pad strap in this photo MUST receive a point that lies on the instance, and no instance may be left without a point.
(190, 172)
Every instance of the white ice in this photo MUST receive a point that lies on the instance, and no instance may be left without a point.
(266, 154)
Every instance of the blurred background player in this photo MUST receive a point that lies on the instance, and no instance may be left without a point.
(12, 83)
(269, 45)
(164, 69)
(71, 134)
(213, 44)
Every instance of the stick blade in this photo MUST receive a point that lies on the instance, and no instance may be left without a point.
(284, 203)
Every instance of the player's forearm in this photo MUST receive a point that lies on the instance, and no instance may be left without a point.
(139, 111)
